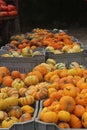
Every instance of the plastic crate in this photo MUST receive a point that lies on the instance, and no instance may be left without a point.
(40, 125)
(67, 58)
(28, 125)
(22, 64)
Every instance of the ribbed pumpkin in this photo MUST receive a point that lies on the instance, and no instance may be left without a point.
(28, 100)
(31, 80)
(15, 111)
(49, 117)
(25, 117)
(18, 83)
(3, 115)
(9, 121)
(75, 122)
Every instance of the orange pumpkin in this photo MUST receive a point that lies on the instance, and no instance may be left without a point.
(75, 122)
(7, 81)
(81, 100)
(15, 74)
(4, 71)
(67, 103)
(82, 83)
(15, 111)
(63, 125)
(70, 90)
(49, 117)
(79, 110)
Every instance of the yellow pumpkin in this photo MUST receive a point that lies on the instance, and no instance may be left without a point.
(18, 83)
(9, 121)
(27, 109)
(31, 80)
(64, 116)
(3, 115)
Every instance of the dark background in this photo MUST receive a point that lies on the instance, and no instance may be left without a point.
(52, 14)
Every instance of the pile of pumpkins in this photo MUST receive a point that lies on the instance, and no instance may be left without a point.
(63, 89)
(60, 42)
(7, 10)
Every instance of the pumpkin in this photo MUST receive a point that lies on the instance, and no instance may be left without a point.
(4, 71)
(3, 95)
(67, 103)
(25, 117)
(41, 93)
(70, 90)
(50, 91)
(82, 83)
(15, 111)
(79, 110)
(60, 66)
(75, 122)
(31, 80)
(27, 109)
(81, 100)
(47, 102)
(48, 76)
(63, 73)
(74, 65)
(72, 72)
(15, 74)
(53, 85)
(12, 101)
(27, 52)
(64, 116)
(22, 91)
(84, 119)
(57, 95)
(54, 77)
(3, 115)
(41, 68)
(50, 61)
(63, 125)
(50, 117)
(9, 121)
(22, 76)
(65, 80)
(3, 104)
(55, 107)
(37, 73)
(12, 92)
(4, 90)
(18, 83)
(28, 100)
(7, 81)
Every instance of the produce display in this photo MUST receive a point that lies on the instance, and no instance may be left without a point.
(57, 43)
(7, 10)
(63, 90)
